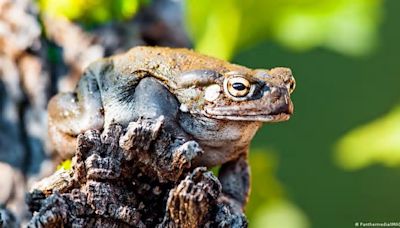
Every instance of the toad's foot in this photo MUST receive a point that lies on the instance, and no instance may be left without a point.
(184, 154)
(176, 164)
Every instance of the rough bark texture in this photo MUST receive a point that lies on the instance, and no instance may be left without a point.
(40, 56)
(115, 182)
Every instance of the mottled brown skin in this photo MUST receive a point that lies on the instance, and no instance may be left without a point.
(204, 107)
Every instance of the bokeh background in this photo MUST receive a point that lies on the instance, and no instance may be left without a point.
(335, 163)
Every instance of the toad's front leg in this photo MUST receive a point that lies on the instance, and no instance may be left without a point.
(154, 138)
(235, 180)
(73, 113)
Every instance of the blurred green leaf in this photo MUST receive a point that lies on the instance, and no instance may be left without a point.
(220, 28)
(348, 27)
(280, 213)
(209, 20)
(67, 165)
(375, 142)
(264, 185)
(90, 11)
(268, 206)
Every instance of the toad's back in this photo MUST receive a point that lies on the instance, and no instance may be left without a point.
(167, 64)
(123, 95)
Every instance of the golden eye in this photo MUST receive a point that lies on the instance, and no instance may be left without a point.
(238, 86)
(291, 85)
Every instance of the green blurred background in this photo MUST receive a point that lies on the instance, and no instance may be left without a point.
(336, 161)
(331, 172)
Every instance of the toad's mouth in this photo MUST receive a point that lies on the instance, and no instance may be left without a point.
(278, 114)
(260, 118)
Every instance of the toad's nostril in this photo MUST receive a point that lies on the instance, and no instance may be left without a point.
(275, 91)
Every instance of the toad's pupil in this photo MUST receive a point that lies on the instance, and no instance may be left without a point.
(238, 86)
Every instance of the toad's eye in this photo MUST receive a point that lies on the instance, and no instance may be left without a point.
(291, 85)
(238, 86)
